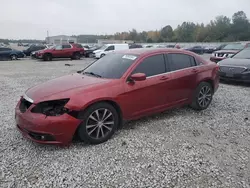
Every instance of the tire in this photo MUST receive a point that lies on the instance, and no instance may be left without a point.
(102, 55)
(47, 57)
(89, 131)
(13, 57)
(203, 96)
(76, 56)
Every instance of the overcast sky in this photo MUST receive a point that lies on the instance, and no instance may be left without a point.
(31, 19)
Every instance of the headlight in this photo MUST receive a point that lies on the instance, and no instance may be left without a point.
(51, 108)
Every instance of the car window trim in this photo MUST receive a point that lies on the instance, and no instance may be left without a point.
(190, 56)
(146, 58)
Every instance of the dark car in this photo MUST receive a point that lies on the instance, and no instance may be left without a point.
(196, 49)
(8, 53)
(90, 52)
(33, 48)
(123, 85)
(236, 68)
(228, 51)
(132, 46)
(210, 49)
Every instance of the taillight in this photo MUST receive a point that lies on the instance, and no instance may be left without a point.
(217, 68)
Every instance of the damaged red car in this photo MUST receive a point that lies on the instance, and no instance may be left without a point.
(125, 85)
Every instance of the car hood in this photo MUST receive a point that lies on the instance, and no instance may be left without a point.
(97, 51)
(63, 87)
(227, 51)
(235, 62)
(45, 50)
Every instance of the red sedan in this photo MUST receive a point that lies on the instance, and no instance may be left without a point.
(124, 85)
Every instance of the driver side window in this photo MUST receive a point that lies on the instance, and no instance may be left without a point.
(151, 66)
(110, 48)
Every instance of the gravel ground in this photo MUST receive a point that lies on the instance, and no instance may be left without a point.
(178, 148)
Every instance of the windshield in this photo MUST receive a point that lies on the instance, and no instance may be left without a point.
(244, 54)
(236, 46)
(103, 47)
(112, 66)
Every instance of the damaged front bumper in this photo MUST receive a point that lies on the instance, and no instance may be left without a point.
(45, 129)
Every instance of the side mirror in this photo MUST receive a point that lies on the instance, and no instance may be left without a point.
(138, 76)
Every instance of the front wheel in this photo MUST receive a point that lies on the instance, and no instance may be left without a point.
(100, 122)
(203, 96)
(102, 55)
(47, 57)
(13, 57)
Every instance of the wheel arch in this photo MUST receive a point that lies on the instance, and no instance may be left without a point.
(208, 80)
(78, 113)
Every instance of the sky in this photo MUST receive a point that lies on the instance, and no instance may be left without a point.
(31, 19)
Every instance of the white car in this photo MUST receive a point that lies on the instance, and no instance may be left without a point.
(109, 48)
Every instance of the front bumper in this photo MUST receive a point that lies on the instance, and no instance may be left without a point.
(57, 130)
(216, 59)
(244, 77)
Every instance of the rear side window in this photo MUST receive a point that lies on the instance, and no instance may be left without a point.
(78, 46)
(66, 46)
(151, 66)
(180, 61)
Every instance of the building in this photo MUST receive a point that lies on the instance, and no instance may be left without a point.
(108, 41)
(60, 39)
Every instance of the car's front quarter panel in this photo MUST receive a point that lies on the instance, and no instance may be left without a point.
(108, 92)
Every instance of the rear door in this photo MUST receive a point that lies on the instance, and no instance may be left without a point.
(67, 50)
(184, 71)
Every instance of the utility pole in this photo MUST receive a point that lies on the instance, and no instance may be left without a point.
(48, 37)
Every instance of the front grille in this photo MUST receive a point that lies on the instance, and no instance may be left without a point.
(24, 105)
(233, 70)
(220, 55)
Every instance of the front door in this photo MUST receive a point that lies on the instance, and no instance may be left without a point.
(143, 97)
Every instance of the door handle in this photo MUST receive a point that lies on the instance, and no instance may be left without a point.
(194, 70)
(164, 78)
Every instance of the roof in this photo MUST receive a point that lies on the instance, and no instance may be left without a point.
(143, 51)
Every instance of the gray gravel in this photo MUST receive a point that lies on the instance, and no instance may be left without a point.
(178, 148)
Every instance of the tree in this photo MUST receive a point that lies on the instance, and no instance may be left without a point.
(167, 33)
(240, 29)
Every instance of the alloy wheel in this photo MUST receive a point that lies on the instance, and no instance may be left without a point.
(100, 123)
(13, 57)
(205, 96)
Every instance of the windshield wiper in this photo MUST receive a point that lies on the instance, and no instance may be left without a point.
(93, 74)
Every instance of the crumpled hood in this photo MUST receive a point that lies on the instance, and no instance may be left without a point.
(235, 62)
(62, 87)
(227, 51)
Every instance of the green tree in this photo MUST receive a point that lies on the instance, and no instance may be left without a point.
(167, 33)
(240, 29)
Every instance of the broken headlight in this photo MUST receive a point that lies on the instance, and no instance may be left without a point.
(51, 108)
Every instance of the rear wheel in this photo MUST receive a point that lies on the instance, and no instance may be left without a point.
(203, 96)
(13, 57)
(76, 56)
(47, 57)
(100, 122)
